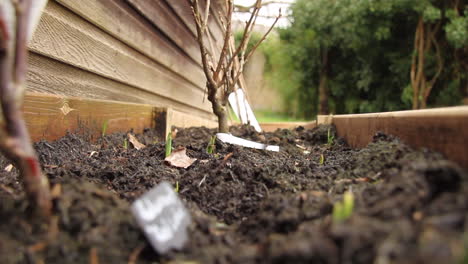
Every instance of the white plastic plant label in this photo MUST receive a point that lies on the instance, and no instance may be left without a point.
(228, 138)
(242, 109)
(163, 218)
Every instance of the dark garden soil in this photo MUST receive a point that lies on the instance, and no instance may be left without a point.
(247, 206)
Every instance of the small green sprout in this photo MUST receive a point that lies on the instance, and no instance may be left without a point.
(104, 127)
(176, 189)
(169, 144)
(211, 145)
(330, 138)
(464, 255)
(342, 210)
(125, 144)
(322, 159)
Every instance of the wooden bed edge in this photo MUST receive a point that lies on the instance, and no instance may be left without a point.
(441, 129)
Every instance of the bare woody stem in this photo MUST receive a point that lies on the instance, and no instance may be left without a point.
(244, 61)
(227, 38)
(15, 142)
(223, 77)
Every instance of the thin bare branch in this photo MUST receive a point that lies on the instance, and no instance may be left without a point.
(246, 9)
(246, 35)
(223, 77)
(227, 37)
(263, 38)
(200, 39)
(207, 13)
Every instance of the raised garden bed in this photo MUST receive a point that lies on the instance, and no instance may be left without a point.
(247, 206)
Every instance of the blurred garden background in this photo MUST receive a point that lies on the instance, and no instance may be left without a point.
(357, 56)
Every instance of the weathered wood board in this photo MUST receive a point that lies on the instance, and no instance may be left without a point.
(180, 119)
(442, 129)
(47, 75)
(118, 50)
(89, 49)
(125, 24)
(163, 17)
(51, 117)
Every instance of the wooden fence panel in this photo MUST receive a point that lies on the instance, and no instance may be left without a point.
(167, 21)
(69, 39)
(120, 21)
(51, 117)
(50, 76)
(126, 51)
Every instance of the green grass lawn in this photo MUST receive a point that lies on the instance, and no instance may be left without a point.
(269, 116)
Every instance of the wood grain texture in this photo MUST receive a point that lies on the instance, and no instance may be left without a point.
(123, 23)
(69, 39)
(50, 117)
(182, 120)
(442, 129)
(164, 18)
(47, 75)
(184, 13)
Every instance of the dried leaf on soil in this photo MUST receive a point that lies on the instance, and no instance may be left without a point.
(135, 142)
(9, 168)
(179, 158)
(56, 191)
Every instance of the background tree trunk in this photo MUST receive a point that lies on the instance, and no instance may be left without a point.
(323, 86)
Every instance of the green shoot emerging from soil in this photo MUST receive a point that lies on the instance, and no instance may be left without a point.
(169, 144)
(342, 210)
(125, 144)
(322, 159)
(464, 256)
(211, 145)
(104, 127)
(330, 138)
(176, 189)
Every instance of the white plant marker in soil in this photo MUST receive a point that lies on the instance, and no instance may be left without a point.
(163, 218)
(228, 138)
(244, 112)
(242, 109)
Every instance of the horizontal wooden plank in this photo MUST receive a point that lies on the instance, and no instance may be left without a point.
(442, 129)
(50, 117)
(65, 37)
(46, 75)
(184, 13)
(163, 17)
(183, 120)
(123, 23)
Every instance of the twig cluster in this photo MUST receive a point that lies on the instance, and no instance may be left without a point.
(223, 72)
